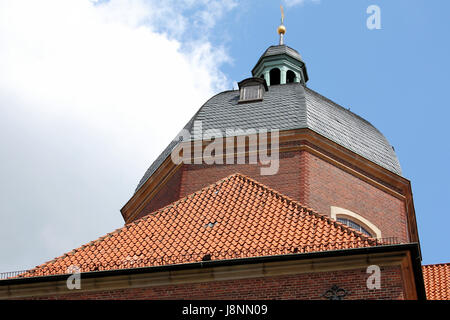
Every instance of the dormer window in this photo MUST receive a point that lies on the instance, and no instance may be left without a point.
(251, 93)
(252, 89)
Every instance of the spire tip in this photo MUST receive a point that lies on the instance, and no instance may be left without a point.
(281, 29)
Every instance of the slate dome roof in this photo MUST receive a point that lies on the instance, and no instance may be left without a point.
(281, 49)
(292, 106)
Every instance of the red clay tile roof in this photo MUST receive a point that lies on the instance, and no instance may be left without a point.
(437, 281)
(234, 218)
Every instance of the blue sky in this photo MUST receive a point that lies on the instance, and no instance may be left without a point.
(85, 106)
(397, 78)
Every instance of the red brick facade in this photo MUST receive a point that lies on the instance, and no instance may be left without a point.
(327, 185)
(304, 177)
(309, 286)
(168, 193)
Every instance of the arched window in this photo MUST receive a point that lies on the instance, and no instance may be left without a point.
(354, 225)
(355, 221)
(275, 77)
(290, 76)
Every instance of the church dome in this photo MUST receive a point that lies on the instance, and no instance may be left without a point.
(287, 107)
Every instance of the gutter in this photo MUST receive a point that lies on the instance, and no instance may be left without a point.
(413, 249)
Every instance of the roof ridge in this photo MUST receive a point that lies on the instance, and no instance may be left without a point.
(307, 209)
(436, 264)
(175, 203)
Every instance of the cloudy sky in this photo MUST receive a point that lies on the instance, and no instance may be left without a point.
(92, 91)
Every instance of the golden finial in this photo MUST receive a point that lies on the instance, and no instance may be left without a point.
(281, 29)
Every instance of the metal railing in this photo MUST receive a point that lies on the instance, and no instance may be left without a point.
(182, 258)
(11, 274)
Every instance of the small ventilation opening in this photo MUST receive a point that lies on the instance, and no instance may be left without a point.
(290, 76)
(210, 225)
(275, 76)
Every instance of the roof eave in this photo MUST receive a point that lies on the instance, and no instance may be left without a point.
(412, 248)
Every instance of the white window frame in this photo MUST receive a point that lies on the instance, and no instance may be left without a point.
(337, 212)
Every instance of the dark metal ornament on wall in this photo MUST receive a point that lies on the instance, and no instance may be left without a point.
(335, 293)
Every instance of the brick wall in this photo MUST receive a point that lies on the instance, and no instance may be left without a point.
(168, 193)
(304, 177)
(327, 185)
(191, 178)
(287, 180)
(300, 286)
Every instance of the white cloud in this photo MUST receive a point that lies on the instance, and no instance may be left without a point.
(90, 93)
